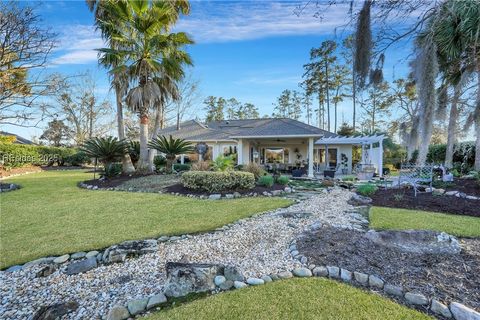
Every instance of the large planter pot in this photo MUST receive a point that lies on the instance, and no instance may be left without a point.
(365, 175)
(329, 173)
(297, 173)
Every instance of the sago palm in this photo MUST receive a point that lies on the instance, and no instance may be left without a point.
(106, 150)
(171, 148)
(148, 51)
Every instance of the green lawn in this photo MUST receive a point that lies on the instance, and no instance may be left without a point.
(403, 219)
(50, 215)
(312, 298)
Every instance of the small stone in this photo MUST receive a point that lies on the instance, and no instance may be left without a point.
(288, 190)
(55, 311)
(255, 281)
(61, 259)
(232, 273)
(215, 196)
(303, 260)
(91, 254)
(393, 290)
(461, 312)
(81, 266)
(320, 271)
(274, 277)
(441, 309)
(361, 278)
(416, 298)
(37, 262)
(118, 313)
(345, 275)
(285, 275)
(46, 271)
(376, 282)
(163, 238)
(137, 306)
(239, 284)
(237, 195)
(333, 272)
(219, 280)
(302, 272)
(14, 268)
(294, 253)
(156, 300)
(175, 238)
(229, 196)
(78, 255)
(227, 285)
(267, 279)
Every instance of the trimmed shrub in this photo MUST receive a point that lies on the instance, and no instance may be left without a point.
(181, 167)
(217, 181)
(266, 181)
(112, 170)
(201, 166)
(283, 180)
(159, 162)
(222, 163)
(367, 189)
(78, 159)
(19, 155)
(255, 169)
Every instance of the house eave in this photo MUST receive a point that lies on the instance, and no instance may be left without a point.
(278, 136)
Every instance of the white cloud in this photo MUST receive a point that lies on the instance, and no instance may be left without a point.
(223, 21)
(77, 45)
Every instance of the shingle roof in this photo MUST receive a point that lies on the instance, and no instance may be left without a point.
(229, 129)
(19, 140)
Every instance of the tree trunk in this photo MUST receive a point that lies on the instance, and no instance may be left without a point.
(452, 127)
(127, 165)
(354, 95)
(156, 129)
(477, 122)
(143, 165)
(328, 97)
(413, 138)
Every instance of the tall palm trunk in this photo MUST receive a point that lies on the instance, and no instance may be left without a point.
(452, 127)
(477, 121)
(127, 165)
(143, 159)
(156, 129)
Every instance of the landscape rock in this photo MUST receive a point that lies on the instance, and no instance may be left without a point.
(320, 271)
(81, 266)
(441, 309)
(302, 272)
(39, 261)
(333, 272)
(451, 193)
(267, 279)
(255, 281)
(55, 311)
(14, 268)
(376, 282)
(461, 312)
(233, 273)
(345, 275)
(156, 300)
(131, 248)
(137, 306)
(416, 241)
(215, 196)
(227, 285)
(285, 275)
(229, 196)
(358, 200)
(185, 278)
(361, 278)
(163, 239)
(219, 280)
(46, 271)
(78, 255)
(393, 290)
(91, 254)
(61, 259)
(118, 313)
(239, 284)
(416, 298)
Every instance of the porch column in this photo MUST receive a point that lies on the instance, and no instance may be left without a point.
(240, 151)
(380, 158)
(182, 159)
(310, 157)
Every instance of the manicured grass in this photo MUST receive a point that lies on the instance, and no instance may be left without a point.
(403, 219)
(313, 298)
(50, 215)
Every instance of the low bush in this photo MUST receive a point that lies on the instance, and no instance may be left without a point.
(348, 178)
(283, 180)
(255, 169)
(181, 167)
(367, 189)
(18, 155)
(78, 159)
(201, 166)
(159, 162)
(266, 181)
(217, 181)
(222, 163)
(112, 170)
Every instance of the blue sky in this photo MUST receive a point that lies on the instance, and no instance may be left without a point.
(248, 50)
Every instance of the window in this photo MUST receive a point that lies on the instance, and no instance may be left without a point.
(229, 150)
(332, 158)
(276, 155)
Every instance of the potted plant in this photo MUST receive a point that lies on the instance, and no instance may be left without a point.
(344, 163)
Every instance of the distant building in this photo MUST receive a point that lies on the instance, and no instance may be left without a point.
(19, 140)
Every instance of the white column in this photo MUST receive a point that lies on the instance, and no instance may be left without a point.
(380, 158)
(310, 157)
(182, 159)
(240, 151)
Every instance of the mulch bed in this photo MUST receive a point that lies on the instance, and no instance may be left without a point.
(425, 201)
(112, 182)
(467, 186)
(179, 188)
(445, 277)
(6, 173)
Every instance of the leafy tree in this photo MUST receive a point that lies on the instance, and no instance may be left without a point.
(283, 105)
(56, 132)
(249, 111)
(376, 106)
(346, 130)
(148, 54)
(171, 148)
(215, 108)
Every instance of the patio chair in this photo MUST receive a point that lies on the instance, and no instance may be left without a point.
(416, 175)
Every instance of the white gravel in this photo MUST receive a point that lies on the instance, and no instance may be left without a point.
(257, 245)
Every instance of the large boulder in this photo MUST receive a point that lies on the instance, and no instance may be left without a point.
(55, 311)
(126, 249)
(185, 278)
(81, 266)
(358, 200)
(416, 241)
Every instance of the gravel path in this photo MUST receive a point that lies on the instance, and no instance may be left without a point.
(257, 245)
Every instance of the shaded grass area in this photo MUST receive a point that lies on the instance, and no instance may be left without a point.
(312, 298)
(403, 219)
(50, 215)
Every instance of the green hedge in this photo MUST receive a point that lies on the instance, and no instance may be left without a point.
(19, 155)
(217, 181)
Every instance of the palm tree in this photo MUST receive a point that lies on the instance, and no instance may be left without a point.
(146, 51)
(119, 81)
(106, 150)
(171, 148)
